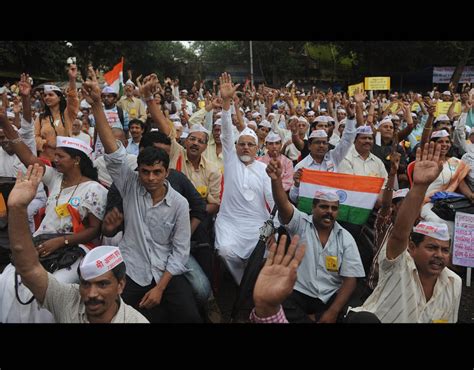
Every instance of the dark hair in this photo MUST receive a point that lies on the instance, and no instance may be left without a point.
(62, 107)
(85, 163)
(119, 271)
(153, 137)
(150, 155)
(137, 121)
(417, 238)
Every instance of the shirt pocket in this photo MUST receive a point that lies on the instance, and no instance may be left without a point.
(161, 232)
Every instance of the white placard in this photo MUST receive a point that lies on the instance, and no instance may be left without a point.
(463, 245)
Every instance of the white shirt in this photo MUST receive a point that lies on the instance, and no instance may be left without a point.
(332, 159)
(87, 197)
(354, 164)
(84, 137)
(399, 296)
(246, 199)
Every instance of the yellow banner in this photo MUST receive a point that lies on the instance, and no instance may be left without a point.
(377, 83)
(443, 107)
(394, 107)
(351, 88)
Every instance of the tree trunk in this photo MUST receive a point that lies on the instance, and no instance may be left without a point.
(460, 67)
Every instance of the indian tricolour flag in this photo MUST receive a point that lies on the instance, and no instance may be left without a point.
(114, 78)
(357, 194)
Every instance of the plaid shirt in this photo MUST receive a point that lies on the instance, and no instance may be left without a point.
(278, 318)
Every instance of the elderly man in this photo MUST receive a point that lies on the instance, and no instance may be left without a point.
(247, 198)
(102, 271)
(77, 133)
(132, 105)
(328, 273)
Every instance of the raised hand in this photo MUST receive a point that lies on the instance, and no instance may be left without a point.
(90, 88)
(394, 162)
(277, 277)
(72, 72)
(149, 85)
(297, 177)
(274, 169)
(26, 186)
(359, 95)
(226, 87)
(24, 85)
(428, 165)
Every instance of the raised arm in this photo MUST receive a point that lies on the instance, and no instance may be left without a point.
(425, 137)
(148, 87)
(19, 147)
(285, 208)
(72, 107)
(32, 273)
(427, 169)
(25, 90)
(91, 92)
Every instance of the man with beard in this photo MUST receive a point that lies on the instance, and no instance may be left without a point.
(328, 273)
(247, 198)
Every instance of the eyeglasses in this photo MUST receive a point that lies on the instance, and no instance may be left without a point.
(193, 139)
(250, 145)
(318, 142)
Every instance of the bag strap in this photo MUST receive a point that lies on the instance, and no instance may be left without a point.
(18, 296)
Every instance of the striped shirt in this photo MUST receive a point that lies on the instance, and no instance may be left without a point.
(399, 295)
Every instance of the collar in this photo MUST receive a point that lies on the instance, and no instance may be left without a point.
(355, 153)
(120, 312)
(168, 197)
(202, 163)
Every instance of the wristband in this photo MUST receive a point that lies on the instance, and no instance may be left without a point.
(149, 98)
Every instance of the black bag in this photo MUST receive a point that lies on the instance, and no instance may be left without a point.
(447, 208)
(61, 258)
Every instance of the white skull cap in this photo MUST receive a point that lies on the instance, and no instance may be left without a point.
(100, 260)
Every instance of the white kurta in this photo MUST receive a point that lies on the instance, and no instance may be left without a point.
(246, 200)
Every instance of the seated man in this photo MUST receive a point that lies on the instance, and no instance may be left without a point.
(328, 274)
(415, 286)
(102, 271)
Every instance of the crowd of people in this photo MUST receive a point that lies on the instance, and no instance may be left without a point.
(151, 194)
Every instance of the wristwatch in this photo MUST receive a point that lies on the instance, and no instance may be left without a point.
(66, 242)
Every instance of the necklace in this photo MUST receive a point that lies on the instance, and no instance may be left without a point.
(62, 188)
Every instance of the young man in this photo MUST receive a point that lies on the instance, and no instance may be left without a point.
(415, 286)
(102, 271)
(157, 235)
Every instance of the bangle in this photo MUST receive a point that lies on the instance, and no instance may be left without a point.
(149, 98)
(427, 128)
(17, 140)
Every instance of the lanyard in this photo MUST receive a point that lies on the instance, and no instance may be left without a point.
(59, 195)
